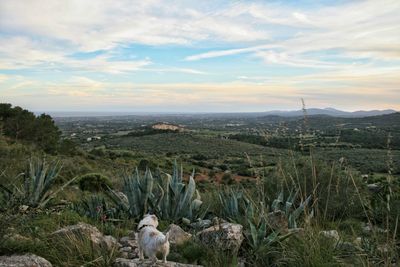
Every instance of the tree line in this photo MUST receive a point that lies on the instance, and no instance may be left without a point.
(19, 124)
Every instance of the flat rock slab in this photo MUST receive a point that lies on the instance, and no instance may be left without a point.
(120, 262)
(26, 260)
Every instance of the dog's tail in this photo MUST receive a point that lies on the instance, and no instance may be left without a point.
(165, 239)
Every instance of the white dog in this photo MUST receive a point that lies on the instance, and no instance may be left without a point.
(151, 240)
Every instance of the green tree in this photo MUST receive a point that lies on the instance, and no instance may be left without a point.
(22, 125)
(47, 134)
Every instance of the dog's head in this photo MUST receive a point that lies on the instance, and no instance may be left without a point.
(150, 220)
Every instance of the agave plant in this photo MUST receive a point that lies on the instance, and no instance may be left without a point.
(94, 207)
(36, 190)
(38, 180)
(230, 201)
(287, 207)
(167, 196)
(139, 192)
(177, 199)
(258, 237)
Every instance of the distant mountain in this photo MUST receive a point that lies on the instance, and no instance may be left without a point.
(330, 112)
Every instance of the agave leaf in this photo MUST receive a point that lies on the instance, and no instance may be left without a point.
(53, 194)
(276, 204)
(254, 235)
(117, 199)
(262, 231)
(296, 213)
(188, 195)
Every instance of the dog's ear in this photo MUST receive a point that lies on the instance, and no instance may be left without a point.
(154, 217)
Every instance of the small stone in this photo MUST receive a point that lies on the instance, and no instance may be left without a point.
(186, 221)
(374, 188)
(331, 234)
(124, 240)
(201, 224)
(23, 208)
(125, 249)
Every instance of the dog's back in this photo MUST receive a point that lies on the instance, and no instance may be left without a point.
(151, 240)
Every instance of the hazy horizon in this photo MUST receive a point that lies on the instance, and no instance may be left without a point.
(94, 113)
(199, 56)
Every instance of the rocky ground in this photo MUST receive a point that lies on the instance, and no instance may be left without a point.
(224, 234)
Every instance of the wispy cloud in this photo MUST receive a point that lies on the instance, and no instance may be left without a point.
(355, 29)
(188, 54)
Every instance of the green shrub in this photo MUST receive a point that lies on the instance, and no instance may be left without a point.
(94, 182)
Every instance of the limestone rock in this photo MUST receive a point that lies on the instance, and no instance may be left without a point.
(26, 260)
(177, 235)
(226, 236)
(83, 230)
(120, 262)
(331, 234)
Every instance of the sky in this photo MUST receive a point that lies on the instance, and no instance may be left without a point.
(199, 56)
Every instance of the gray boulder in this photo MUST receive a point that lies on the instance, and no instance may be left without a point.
(177, 236)
(26, 260)
(225, 236)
